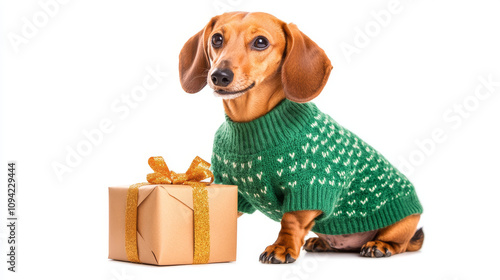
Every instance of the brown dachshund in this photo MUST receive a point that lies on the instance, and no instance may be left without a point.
(253, 61)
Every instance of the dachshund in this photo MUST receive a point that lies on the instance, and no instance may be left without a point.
(254, 61)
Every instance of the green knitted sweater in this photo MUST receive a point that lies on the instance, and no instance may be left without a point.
(298, 158)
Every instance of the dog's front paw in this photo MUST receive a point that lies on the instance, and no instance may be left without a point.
(278, 254)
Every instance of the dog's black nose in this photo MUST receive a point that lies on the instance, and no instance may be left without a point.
(222, 77)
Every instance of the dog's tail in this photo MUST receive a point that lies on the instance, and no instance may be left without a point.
(416, 241)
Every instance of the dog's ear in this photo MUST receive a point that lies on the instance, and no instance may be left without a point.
(306, 67)
(194, 63)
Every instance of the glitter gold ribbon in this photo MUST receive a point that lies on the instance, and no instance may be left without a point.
(131, 222)
(198, 171)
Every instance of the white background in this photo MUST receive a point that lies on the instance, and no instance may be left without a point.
(400, 87)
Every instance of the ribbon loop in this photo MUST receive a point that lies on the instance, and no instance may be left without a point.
(199, 170)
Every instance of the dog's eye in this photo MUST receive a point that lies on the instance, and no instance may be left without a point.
(217, 40)
(260, 43)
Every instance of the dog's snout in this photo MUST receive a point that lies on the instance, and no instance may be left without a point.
(222, 77)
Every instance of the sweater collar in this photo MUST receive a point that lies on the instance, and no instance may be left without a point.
(281, 125)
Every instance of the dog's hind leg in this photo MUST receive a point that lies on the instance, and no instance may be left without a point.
(396, 238)
(339, 243)
(317, 244)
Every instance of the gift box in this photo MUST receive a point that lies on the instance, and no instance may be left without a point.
(179, 221)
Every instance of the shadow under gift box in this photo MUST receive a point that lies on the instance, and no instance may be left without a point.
(165, 226)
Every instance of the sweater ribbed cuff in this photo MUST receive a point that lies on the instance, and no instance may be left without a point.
(244, 206)
(311, 198)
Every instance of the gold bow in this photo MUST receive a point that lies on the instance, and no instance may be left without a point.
(198, 171)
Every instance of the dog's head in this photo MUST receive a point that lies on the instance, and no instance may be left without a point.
(238, 53)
